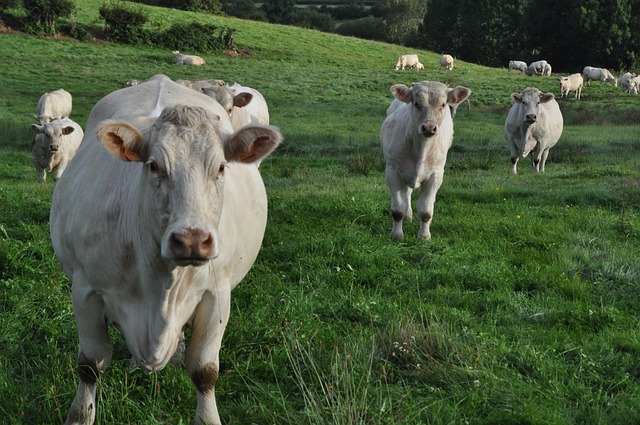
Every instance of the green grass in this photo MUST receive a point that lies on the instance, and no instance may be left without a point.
(522, 309)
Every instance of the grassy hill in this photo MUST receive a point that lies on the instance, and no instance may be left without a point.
(523, 309)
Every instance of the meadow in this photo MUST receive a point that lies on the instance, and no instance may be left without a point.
(522, 309)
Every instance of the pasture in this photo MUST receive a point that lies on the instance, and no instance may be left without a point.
(522, 309)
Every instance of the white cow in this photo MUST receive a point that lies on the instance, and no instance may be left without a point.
(629, 83)
(227, 98)
(590, 73)
(518, 65)
(573, 82)
(537, 67)
(446, 61)
(405, 61)
(198, 85)
(415, 140)
(154, 231)
(534, 125)
(396, 102)
(546, 70)
(54, 145)
(54, 106)
(256, 111)
(182, 59)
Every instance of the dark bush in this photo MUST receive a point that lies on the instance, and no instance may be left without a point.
(209, 6)
(9, 4)
(244, 9)
(197, 37)
(311, 18)
(42, 14)
(346, 12)
(124, 23)
(368, 28)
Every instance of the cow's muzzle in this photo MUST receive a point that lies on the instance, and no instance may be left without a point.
(429, 129)
(531, 118)
(54, 148)
(192, 247)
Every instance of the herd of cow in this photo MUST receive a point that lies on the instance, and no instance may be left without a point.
(162, 210)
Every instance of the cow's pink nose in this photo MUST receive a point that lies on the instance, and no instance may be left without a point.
(429, 129)
(192, 244)
(531, 118)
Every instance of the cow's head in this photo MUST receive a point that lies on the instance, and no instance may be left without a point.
(431, 102)
(227, 97)
(184, 157)
(53, 133)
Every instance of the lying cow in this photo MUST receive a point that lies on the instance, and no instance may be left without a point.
(629, 83)
(155, 230)
(446, 61)
(182, 59)
(415, 140)
(54, 106)
(537, 67)
(407, 61)
(533, 126)
(573, 82)
(591, 73)
(517, 65)
(54, 145)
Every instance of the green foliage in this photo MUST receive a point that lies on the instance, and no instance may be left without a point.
(367, 28)
(124, 23)
(9, 4)
(42, 15)
(401, 18)
(279, 11)
(194, 36)
(208, 6)
(312, 18)
(245, 9)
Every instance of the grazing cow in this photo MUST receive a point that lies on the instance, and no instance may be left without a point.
(54, 106)
(415, 140)
(546, 70)
(182, 59)
(629, 83)
(573, 82)
(446, 61)
(518, 65)
(590, 73)
(155, 230)
(537, 67)
(405, 61)
(534, 125)
(54, 145)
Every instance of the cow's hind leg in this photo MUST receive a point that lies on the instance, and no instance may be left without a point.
(202, 354)
(426, 202)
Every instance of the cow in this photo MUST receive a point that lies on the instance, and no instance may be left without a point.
(419, 66)
(446, 61)
(255, 111)
(198, 85)
(54, 145)
(54, 106)
(573, 82)
(182, 59)
(629, 83)
(227, 98)
(533, 126)
(518, 65)
(158, 217)
(453, 108)
(405, 61)
(591, 73)
(415, 139)
(546, 70)
(537, 67)
(132, 82)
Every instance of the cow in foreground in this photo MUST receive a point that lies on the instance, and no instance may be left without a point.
(415, 139)
(407, 61)
(54, 106)
(54, 145)
(533, 126)
(517, 65)
(158, 217)
(573, 82)
(604, 75)
(191, 60)
(446, 61)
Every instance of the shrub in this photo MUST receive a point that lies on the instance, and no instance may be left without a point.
(124, 23)
(209, 6)
(198, 37)
(9, 4)
(43, 14)
(313, 19)
(244, 9)
(367, 28)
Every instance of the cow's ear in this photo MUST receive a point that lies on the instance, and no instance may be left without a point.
(242, 99)
(458, 95)
(68, 130)
(252, 143)
(38, 129)
(516, 97)
(544, 98)
(123, 140)
(401, 92)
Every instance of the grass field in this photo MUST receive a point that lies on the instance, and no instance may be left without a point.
(522, 309)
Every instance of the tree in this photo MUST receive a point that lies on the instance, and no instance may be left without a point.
(401, 18)
(43, 14)
(279, 11)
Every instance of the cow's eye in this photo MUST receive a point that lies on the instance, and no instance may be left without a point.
(221, 169)
(417, 105)
(153, 166)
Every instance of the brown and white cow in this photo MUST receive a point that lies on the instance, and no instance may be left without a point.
(54, 106)
(533, 126)
(415, 139)
(54, 145)
(158, 217)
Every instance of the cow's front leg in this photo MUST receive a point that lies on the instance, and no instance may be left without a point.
(426, 202)
(400, 203)
(543, 159)
(202, 354)
(93, 356)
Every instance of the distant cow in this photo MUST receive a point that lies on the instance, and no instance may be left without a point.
(182, 59)
(405, 61)
(54, 145)
(155, 230)
(517, 65)
(446, 61)
(537, 67)
(546, 70)
(629, 83)
(533, 126)
(198, 85)
(227, 98)
(54, 106)
(590, 73)
(415, 139)
(573, 82)
(132, 82)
